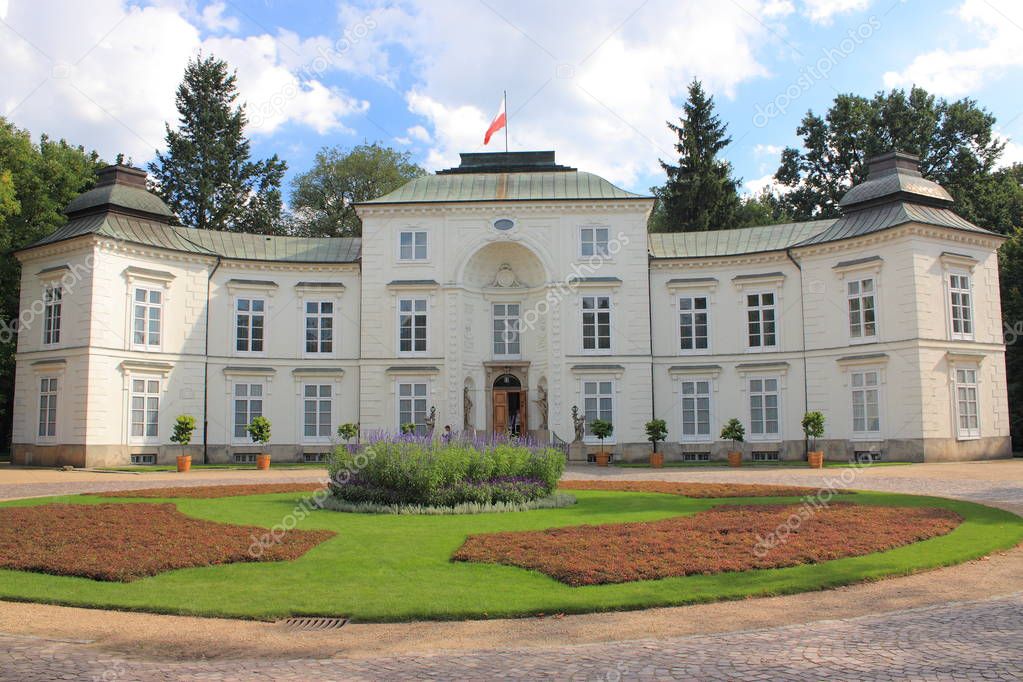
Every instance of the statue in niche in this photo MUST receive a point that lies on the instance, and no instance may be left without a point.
(431, 421)
(541, 402)
(579, 422)
(466, 409)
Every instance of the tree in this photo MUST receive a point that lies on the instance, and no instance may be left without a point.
(323, 199)
(206, 175)
(1010, 258)
(700, 192)
(656, 432)
(184, 427)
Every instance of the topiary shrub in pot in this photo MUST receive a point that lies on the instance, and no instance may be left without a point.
(656, 432)
(347, 432)
(184, 427)
(601, 428)
(259, 432)
(734, 431)
(813, 428)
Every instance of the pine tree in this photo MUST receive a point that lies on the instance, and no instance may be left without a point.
(206, 176)
(700, 193)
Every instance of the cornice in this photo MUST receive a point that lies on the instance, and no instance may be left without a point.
(507, 207)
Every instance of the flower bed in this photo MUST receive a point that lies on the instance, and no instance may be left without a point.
(703, 490)
(412, 472)
(124, 542)
(212, 491)
(713, 541)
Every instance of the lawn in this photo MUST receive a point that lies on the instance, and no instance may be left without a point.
(392, 568)
(781, 464)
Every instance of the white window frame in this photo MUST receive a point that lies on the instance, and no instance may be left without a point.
(692, 312)
(764, 436)
(589, 240)
(864, 388)
(53, 313)
(965, 371)
(859, 298)
(318, 399)
(951, 307)
(695, 437)
(146, 395)
(514, 332)
(760, 308)
(612, 395)
(148, 308)
(319, 316)
(596, 350)
(413, 397)
(233, 397)
(266, 327)
(398, 325)
(50, 394)
(415, 235)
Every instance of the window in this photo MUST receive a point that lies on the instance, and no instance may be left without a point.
(594, 241)
(143, 459)
(317, 402)
(695, 456)
(692, 323)
(412, 325)
(412, 405)
(504, 224)
(319, 327)
(866, 402)
(145, 409)
(961, 302)
(412, 245)
(147, 309)
(695, 398)
(596, 323)
(862, 314)
(250, 325)
(248, 404)
(48, 407)
(314, 457)
(760, 316)
(506, 329)
(52, 302)
(764, 456)
(763, 407)
(598, 402)
(245, 457)
(967, 408)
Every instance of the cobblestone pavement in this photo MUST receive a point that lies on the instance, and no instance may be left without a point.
(964, 641)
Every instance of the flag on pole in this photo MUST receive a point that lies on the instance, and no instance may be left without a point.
(499, 122)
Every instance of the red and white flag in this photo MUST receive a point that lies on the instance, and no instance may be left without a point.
(499, 122)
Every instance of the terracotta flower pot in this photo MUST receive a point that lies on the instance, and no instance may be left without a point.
(735, 459)
(602, 459)
(263, 462)
(184, 463)
(657, 460)
(816, 459)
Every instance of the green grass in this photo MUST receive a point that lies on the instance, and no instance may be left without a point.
(150, 468)
(783, 464)
(392, 568)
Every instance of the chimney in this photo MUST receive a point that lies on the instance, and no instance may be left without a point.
(121, 175)
(893, 161)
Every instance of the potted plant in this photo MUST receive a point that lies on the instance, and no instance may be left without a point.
(734, 431)
(259, 432)
(813, 428)
(407, 429)
(656, 432)
(348, 432)
(601, 428)
(184, 427)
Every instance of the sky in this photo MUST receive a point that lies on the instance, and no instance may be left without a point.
(595, 80)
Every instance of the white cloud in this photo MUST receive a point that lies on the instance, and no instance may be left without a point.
(756, 185)
(824, 11)
(1013, 152)
(214, 20)
(953, 72)
(767, 150)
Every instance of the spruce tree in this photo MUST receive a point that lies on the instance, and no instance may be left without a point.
(700, 192)
(206, 175)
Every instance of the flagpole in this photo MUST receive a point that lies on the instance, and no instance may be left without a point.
(505, 121)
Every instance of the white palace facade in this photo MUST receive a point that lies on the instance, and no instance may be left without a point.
(500, 294)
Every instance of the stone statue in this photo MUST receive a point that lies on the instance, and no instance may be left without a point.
(541, 402)
(466, 409)
(579, 422)
(431, 421)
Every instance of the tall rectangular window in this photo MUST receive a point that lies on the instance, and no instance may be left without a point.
(967, 405)
(48, 407)
(866, 402)
(53, 296)
(695, 398)
(248, 404)
(506, 330)
(961, 302)
(412, 405)
(598, 402)
(412, 325)
(764, 407)
(250, 325)
(412, 245)
(761, 321)
(692, 323)
(145, 409)
(596, 323)
(862, 313)
(147, 318)
(317, 403)
(594, 241)
(319, 327)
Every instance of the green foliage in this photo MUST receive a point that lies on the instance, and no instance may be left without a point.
(348, 431)
(400, 472)
(813, 426)
(734, 431)
(206, 175)
(259, 430)
(1010, 258)
(407, 428)
(184, 427)
(555, 501)
(601, 428)
(323, 198)
(656, 431)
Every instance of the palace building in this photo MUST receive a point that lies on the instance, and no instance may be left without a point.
(499, 295)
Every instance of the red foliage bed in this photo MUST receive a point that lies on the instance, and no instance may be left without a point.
(211, 491)
(714, 541)
(124, 542)
(705, 490)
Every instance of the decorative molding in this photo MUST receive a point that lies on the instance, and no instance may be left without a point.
(695, 370)
(133, 273)
(958, 260)
(758, 280)
(869, 263)
(963, 357)
(678, 284)
(413, 284)
(231, 370)
(318, 371)
(862, 359)
(53, 273)
(594, 282)
(146, 367)
(413, 369)
(762, 367)
(320, 285)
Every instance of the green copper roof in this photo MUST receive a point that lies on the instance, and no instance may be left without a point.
(732, 242)
(119, 196)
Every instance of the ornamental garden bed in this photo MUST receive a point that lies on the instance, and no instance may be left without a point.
(698, 490)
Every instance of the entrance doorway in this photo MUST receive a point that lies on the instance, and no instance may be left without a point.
(510, 406)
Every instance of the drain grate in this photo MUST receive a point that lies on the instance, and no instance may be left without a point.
(313, 623)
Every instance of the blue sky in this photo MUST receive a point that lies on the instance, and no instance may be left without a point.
(593, 80)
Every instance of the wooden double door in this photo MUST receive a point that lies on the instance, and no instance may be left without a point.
(510, 410)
